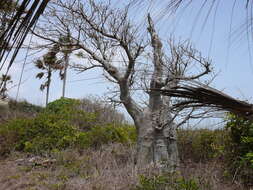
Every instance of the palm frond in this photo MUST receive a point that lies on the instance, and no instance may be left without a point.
(39, 64)
(199, 95)
(5, 77)
(42, 87)
(40, 75)
(24, 19)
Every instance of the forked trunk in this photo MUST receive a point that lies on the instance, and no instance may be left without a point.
(157, 143)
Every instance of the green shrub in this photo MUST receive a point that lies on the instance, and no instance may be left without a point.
(44, 134)
(36, 135)
(100, 135)
(201, 144)
(59, 126)
(68, 109)
(24, 106)
(105, 113)
(166, 182)
(14, 109)
(239, 148)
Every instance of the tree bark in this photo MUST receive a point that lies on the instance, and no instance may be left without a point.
(156, 146)
(156, 139)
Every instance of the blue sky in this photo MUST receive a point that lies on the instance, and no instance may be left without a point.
(225, 42)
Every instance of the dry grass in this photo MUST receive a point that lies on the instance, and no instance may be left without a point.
(111, 167)
(211, 174)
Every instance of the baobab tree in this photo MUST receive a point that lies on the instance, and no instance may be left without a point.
(106, 39)
(29, 11)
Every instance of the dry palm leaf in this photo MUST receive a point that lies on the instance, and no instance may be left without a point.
(200, 95)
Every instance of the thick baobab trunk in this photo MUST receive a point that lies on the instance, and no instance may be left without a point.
(156, 136)
(156, 132)
(156, 146)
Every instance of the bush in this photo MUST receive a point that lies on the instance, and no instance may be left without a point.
(110, 133)
(201, 144)
(24, 107)
(59, 126)
(239, 148)
(167, 182)
(36, 135)
(12, 109)
(105, 113)
(68, 109)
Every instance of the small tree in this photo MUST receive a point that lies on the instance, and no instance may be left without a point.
(48, 64)
(106, 39)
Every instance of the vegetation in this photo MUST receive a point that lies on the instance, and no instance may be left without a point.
(202, 145)
(48, 64)
(168, 182)
(64, 130)
(59, 126)
(239, 148)
(77, 144)
(66, 51)
(106, 38)
(231, 146)
(24, 107)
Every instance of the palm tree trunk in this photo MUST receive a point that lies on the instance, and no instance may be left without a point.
(48, 84)
(66, 60)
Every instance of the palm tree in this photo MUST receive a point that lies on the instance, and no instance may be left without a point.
(48, 64)
(5, 80)
(66, 49)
